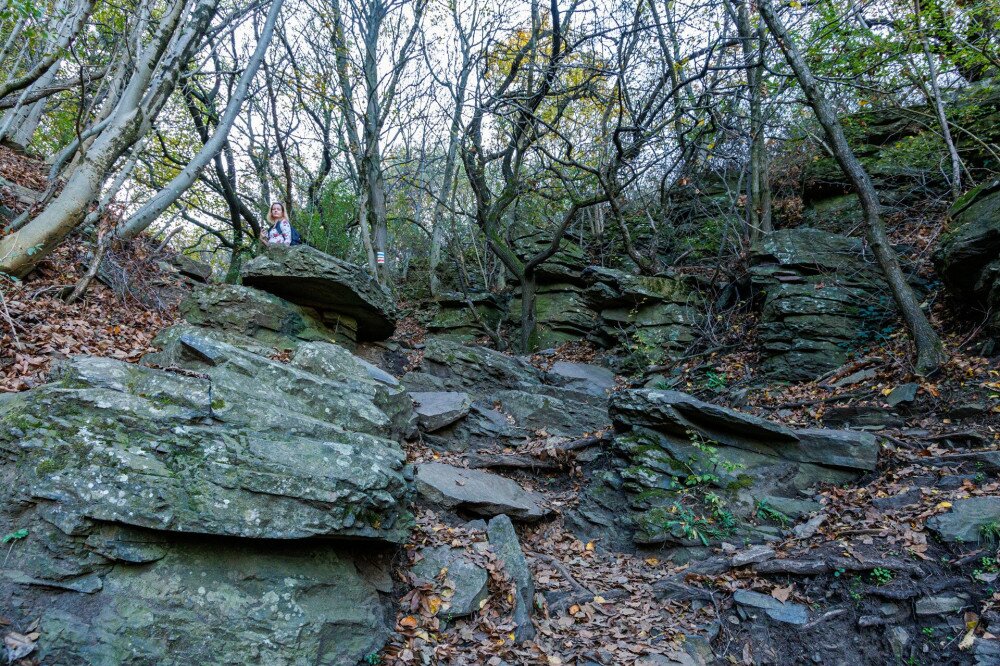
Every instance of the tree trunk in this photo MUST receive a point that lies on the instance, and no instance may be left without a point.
(153, 79)
(142, 218)
(930, 351)
(528, 314)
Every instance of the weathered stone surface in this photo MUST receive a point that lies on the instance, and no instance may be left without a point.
(691, 473)
(505, 544)
(477, 492)
(941, 604)
(564, 266)
(173, 518)
(326, 386)
(134, 446)
(229, 603)
(967, 518)
(583, 377)
(469, 579)
(438, 409)
(968, 256)
(676, 413)
(563, 315)
(305, 276)
(821, 298)
(451, 366)
(455, 321)
(255, 314)
(752, 555)
(654, 317)
(787, 612)
(189, 267)
(903, 394)
(556, 411)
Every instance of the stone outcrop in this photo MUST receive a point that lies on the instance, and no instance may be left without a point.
(688, 473)
(821, 298)
(968, 255)
(272, 321)
(453, 320)
(347, 297)
(510, 398)
(221, 503)
(652, 316)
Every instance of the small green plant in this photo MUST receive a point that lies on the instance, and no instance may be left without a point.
(881, 575)
(715, 381)
(767, 512)
(12, 538)
(691, 526)
(928, 632)
(373, 658)
(990, 532)
(854, 590)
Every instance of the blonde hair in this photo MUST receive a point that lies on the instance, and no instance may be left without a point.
(270, 212)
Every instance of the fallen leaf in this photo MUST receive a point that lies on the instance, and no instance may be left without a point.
(782, 593)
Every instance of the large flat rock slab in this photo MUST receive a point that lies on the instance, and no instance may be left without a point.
(305, 276)
(477, 492)
(129, 445)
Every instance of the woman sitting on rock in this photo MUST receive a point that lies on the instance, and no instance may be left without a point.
(280, 232)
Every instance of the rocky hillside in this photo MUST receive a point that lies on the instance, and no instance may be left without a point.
(697, 467)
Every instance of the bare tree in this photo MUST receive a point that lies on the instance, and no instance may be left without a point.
(930, 351)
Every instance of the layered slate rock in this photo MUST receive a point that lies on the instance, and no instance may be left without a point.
(480, 493)
(437, 409)
(563, 315)
(655, 316)
(233, 509)
(969, 520)
(583, 377)
(454, 320)
(510, 399)
(465, 577)
(505, 544)
(324, 389)
(968, 257)
(346, 295)
(688, 473)
(270, 320)
(821, 298)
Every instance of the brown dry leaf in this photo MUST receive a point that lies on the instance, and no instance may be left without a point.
(782, 593)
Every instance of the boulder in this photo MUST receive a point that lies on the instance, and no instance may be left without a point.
(437, 409)
(252, 313)
(689, 473)
(459, 573)
(968, 256)
(331, 387)
(505, 544)
(162, 451)
(822, 297)
(344, 293)
(452, 366)
(969, 520)
(241, 514)
(199, 271)
(477, 492)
